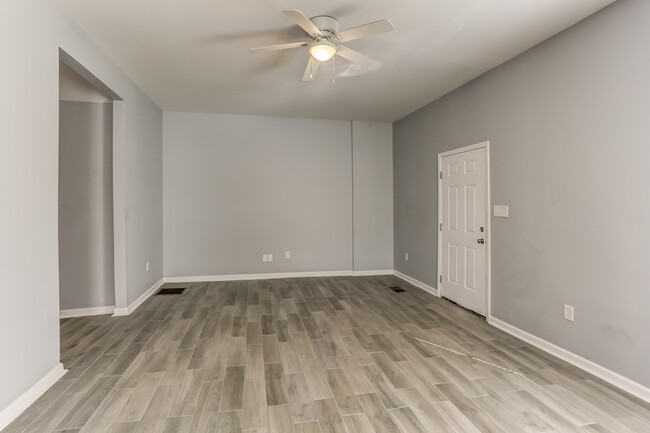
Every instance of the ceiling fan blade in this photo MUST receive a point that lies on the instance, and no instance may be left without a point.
(312, 68)
(370, 29)
(279, 47)
(304, 22)
(358, 58)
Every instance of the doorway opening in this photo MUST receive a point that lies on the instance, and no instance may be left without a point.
(89, 204)
(464, 227)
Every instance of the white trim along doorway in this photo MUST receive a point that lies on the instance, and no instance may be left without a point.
(464, 227)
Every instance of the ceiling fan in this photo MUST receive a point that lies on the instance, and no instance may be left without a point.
(325, 41)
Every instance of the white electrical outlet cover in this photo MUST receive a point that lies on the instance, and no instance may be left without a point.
(265, 257)
(569, 313)
(270, 257)
(406, 256)
(287, 254)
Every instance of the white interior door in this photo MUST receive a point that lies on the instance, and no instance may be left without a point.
(463, 230)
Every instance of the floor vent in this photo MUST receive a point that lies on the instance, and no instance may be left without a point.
(397, 289)
(171, 291)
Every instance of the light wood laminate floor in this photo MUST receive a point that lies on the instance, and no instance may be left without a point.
(315, 355)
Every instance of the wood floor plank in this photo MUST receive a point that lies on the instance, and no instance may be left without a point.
(391, 370)
(254, 413)
(377, 414)
(164, 356)
(201, 354)
(271, 349)
(254, 361)
(355, 376)
(207, 409)
(324, 354)
(120, 365)
(290, 358)
(127, 427)
(229, 422)
(136, 370)
(329, 416)
(134, 409)
(102, 419)
(253, 333)
(188, 395)
(53, 415)
(300, 402)
(280, 419)
(88, 379)
(303, 346)
(406, 420)
(426, 412)
(276, 390)
(318, 387)
(82, 411)
(156, 414)
(308, 427)
(232, 396)
(176, 369)
(358, 423)
(387, 347)
(342, 392)
(216, 368)
(177, 425)
(382, 387)
(237, 351)
(420, 382)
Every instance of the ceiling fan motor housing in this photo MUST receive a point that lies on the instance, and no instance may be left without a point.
(328, 26)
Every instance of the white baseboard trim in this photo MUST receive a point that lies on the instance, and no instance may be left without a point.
(372, 273)
(416, 283)
(11, 412)
(241, 277)
(82, 312)
(622, 382)
(125, 311)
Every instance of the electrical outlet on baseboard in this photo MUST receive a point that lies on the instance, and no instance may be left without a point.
(569, 313)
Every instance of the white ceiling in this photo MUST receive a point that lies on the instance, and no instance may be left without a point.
(193, 55)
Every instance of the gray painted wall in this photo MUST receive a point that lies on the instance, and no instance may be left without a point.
(567, 123)
(29, 184)
(144, 225)
(85, 205)
(373, 195)
(236, 187)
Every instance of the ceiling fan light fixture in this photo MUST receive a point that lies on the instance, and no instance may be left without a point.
(322, 51)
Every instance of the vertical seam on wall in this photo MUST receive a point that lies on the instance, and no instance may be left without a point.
(352, 169)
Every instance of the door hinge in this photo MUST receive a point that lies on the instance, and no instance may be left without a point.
(441, 175)
(440, 278)
(440, 226)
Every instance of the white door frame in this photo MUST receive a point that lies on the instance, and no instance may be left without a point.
(488, 238)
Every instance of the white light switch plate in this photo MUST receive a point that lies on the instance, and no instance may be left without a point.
(501, 210)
